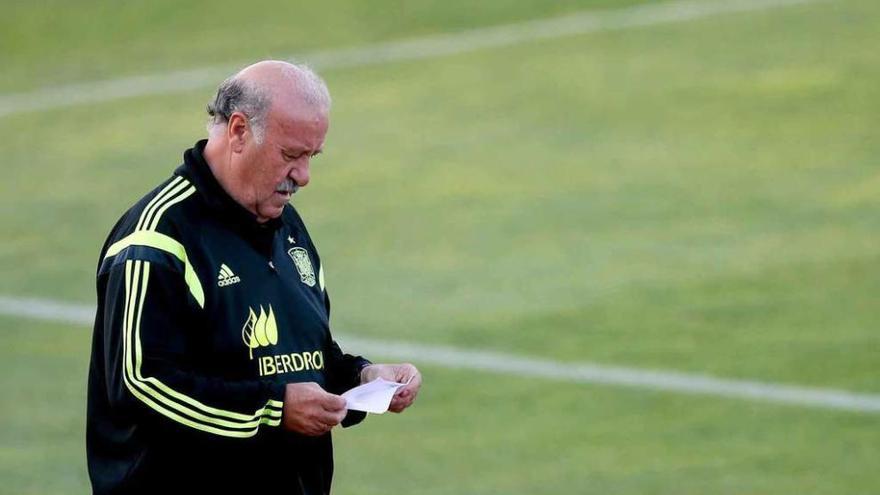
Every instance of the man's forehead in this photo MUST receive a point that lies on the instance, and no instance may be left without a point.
(300, 126)
(292, 104)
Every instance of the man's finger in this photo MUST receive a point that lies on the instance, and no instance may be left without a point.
(399, 404)
(409, 391)
(332, 418)
(406, 373)
(413, 382)
(341, 416)
(333, 403)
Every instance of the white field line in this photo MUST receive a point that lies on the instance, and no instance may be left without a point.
(508, 364)
(649, 14)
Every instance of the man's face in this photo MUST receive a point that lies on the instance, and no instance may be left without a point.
(269, 173)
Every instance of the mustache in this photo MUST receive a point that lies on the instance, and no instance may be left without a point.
(288, 186)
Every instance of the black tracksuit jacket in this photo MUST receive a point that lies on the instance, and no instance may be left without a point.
(203, 316)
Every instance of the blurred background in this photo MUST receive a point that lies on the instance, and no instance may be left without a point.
(687, 187)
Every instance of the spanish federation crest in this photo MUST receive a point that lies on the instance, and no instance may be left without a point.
(303, 264)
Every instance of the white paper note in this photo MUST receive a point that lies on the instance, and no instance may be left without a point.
(373, 397)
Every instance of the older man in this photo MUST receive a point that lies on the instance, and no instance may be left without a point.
(213, 367)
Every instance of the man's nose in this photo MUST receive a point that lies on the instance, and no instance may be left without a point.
(300, 174)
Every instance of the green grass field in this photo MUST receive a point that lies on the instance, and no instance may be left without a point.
(698, 196)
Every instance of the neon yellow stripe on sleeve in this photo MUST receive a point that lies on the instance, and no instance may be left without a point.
(164, 243)
(136, 287)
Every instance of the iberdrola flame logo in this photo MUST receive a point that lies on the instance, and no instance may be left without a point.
(259, 331)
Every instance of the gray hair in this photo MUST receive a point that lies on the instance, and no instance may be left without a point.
(309, 84)
(237, 94)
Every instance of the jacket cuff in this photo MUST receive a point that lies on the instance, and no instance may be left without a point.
(352, 418)
(359, 364)
(277, 390)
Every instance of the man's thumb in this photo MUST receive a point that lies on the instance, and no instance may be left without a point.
(334, 402)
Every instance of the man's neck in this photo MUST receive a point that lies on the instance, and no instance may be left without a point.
(217, 157)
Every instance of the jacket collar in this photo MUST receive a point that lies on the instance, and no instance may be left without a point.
(220, 202)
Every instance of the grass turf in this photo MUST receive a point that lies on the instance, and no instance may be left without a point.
(698, 196)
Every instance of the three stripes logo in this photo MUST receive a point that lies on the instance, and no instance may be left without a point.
(226, 277)
(259, 331)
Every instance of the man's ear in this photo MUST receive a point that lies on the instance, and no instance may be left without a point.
(237, 131)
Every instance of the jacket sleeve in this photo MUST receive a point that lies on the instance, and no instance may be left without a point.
(343, 370)
(148, 315)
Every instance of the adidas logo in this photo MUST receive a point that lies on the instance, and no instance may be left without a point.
(226, 277)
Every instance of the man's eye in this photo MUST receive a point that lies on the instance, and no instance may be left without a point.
(297, 156)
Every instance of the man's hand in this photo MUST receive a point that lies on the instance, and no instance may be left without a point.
(400, 373)
(309, 410)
